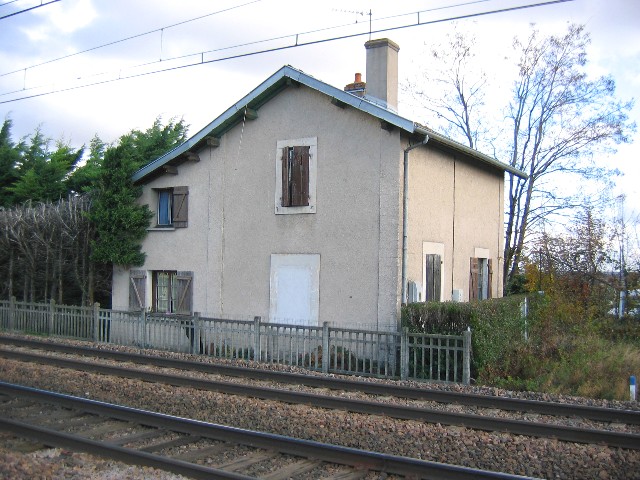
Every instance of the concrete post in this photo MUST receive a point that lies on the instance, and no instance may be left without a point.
(12, 313)
(96, 322)
(52, 312)
(257, 354)
(325, 347)
(404, 354)
(466, 356)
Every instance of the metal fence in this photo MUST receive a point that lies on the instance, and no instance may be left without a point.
(328, 349)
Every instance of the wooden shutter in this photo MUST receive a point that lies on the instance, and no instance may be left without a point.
(300, 177)
(184, 293)
(433, 277)
(137, 289)
(180, 205)
(286, 192)
(474, 278)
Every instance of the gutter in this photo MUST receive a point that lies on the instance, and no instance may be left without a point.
(405, 215)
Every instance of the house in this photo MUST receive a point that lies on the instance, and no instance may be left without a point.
(305, 203)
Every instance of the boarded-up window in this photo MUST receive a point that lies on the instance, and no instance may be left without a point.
(480, 278)
(295, 176)
(433, 277)
(173, 292)
(137, 289)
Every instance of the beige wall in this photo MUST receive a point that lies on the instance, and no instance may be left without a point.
(233, 229)
(459, 205)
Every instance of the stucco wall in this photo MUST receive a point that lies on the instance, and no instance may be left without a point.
(458, 203)
(233, 229)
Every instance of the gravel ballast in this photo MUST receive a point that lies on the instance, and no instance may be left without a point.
(546, 458)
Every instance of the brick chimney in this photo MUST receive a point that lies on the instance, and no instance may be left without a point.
(382, 72)
(358, 87)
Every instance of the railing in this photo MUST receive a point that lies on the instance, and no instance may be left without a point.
(328, 349)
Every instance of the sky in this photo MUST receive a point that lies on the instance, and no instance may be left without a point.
(191, 59)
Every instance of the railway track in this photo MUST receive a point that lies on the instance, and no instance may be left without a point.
(424, 394)
(480, 422)
(194, 448)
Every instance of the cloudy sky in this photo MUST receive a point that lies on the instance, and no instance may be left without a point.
(77, 68)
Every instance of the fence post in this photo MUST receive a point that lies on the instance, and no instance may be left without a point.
(195, 334)
(257, 354)
(52, 312)
(143, 329)
(96, 322)
(12, 313)
(325, 347)
(404, 354)
(466, 356)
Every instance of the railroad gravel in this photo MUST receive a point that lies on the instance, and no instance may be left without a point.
(543, 458)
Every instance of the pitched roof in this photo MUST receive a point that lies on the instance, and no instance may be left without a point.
(288, 76)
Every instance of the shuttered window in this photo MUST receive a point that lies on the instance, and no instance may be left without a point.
(180, 207)
(295, 176)
(173, 207)
(173, 292)
(480, 278)
(433, 277)
(137, 289)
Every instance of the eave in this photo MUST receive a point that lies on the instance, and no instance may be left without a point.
(288, 77)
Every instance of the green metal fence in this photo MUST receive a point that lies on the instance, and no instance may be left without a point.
(328, 349)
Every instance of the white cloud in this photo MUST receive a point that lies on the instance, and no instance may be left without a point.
(61, 18)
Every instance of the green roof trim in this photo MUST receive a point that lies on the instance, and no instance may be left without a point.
(278, 82)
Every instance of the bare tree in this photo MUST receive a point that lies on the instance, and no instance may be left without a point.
(452, 89)
(557, 121)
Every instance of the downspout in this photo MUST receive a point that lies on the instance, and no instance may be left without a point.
(405, 215)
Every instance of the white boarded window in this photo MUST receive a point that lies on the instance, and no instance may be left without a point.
(294, 289)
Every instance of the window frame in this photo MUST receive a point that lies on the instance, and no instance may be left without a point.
(177, 207)
(281, 207)
(179, 294)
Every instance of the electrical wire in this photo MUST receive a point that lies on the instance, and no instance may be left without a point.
(132, 37)
(276, 49)
(28, 9)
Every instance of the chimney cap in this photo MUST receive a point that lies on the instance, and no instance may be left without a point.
(382, 42)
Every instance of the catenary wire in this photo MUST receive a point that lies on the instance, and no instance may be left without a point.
(132, 37)
(28, 9)
(276, 49)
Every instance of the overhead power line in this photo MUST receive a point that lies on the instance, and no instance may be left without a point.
(28, 9)
(115, 42)
(296, 44)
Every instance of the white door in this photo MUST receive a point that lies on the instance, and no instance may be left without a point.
(294, 289)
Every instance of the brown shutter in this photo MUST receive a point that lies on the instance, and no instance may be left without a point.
(286, 198)
(433, 277)
(184, 293)
(137, 289)
(490, 278)
(180, 207)
(474, 278)
(300, 177)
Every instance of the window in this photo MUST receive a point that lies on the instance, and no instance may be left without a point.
(172, 292)
(295, 176)
(480, 276)
(296, 165)
(173, 207)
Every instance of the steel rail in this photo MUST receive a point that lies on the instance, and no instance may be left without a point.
(478, 422)
(601, 414)
(306, 448)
